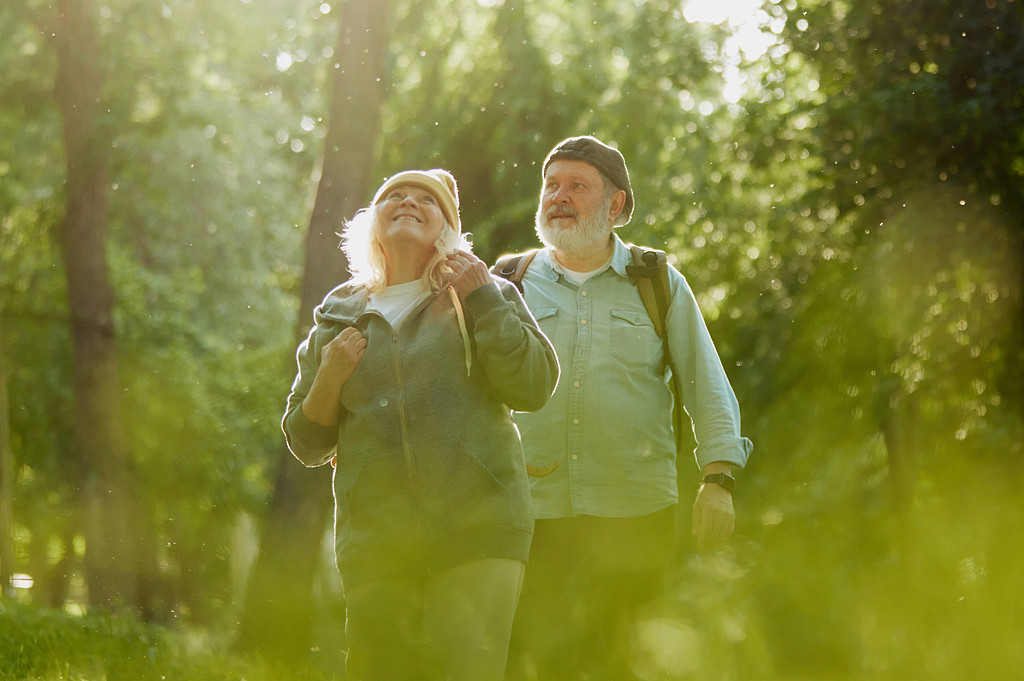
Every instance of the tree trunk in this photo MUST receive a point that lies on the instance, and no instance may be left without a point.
(277, 618)
(102, 451)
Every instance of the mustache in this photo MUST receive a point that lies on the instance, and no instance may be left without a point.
(561, 212)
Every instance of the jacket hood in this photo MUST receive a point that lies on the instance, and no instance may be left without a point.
(345, 303)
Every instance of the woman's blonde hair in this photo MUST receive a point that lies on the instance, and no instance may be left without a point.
(360, 241)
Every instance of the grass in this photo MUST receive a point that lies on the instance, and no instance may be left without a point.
(50, 645)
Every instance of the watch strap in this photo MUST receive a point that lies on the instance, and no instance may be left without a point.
(723, 480)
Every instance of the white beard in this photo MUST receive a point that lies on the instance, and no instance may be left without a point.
(590, 233)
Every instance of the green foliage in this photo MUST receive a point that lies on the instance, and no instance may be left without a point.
(951, 77)
(900, 293)
(45, 645)
(923, 281)
(213, 162)
(522, 76)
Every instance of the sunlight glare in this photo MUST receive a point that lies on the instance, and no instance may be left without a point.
(718, 11)
(746, 18)
(751, 36)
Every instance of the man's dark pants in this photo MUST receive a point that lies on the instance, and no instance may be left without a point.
(587, 581)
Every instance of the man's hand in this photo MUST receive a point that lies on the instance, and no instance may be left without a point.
(713, 516)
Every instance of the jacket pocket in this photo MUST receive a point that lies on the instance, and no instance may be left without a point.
(374, 501)
(633, 338)
(458, 489)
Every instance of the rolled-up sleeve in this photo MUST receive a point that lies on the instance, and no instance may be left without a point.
(707, 395)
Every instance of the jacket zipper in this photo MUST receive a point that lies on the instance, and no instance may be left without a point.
(406, 443)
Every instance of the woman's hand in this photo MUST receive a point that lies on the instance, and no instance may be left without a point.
(338, 360)
(341, 356)
(468, 273)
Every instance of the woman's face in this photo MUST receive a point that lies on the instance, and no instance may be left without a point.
(410, 216)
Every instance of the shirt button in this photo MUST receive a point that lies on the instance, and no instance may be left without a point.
(383, 402)
(575, 422)
(584, 294)
(583, 322)
(576, 384)
(574, 457)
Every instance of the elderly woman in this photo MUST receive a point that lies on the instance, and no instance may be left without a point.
(406, 384)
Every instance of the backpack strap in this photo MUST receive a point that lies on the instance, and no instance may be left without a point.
(513, 267)
(649, 272)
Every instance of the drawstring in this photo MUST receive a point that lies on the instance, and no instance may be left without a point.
(462, 327)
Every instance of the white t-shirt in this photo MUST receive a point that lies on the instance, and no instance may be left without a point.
(395, 303)
(579, 278)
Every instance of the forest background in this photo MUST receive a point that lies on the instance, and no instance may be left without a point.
(841, 182)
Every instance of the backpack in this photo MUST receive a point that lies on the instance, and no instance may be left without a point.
(649, 272)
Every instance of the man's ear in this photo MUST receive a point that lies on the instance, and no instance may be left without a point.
(618, 203)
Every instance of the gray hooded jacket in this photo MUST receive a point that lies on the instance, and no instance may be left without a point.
(429, 466)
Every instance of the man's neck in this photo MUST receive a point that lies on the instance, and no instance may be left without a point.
(584, 261)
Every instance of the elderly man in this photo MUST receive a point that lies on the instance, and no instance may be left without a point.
(602, 452)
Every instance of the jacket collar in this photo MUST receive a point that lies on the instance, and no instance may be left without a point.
(348, 304)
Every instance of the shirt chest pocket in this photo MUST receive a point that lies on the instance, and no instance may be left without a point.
(547, 320)
(633, 340)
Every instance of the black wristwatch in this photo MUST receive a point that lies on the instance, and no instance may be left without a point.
(724, 480)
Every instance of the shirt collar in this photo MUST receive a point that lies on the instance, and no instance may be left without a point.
(621, 258)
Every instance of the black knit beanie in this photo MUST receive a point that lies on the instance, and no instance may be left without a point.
(598, 154)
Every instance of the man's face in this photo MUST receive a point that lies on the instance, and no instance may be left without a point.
(575, 212)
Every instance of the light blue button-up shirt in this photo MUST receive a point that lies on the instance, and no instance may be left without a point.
(609, 424)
